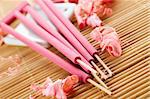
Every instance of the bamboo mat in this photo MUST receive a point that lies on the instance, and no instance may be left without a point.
(131, 19)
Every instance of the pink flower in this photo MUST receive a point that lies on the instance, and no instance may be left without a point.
(11, 70)
(87, 12)
(58, 88)
(81, 16)
(60, 94)
(16, 59)
(36, 88)
(86, 5)
(93, 21)
(49, 88)
(69, 82)
(96, 35)
(108, 39)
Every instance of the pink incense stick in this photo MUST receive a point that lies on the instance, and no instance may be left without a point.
(10, 17)
(74, 57)
(43, 23)
(53, 32)
(53, 41)
(76, 33)
(45, 52)
(71, 27)
(69, 36)
(64, 30)
(51, 56)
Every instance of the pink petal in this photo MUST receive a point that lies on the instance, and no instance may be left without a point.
(108, 39)
(86, 5)
(79, 16)
(49, 90)
(96, 35)
(69, 82)
(114, 49)
(93, 21)
(36, 88)
(59, 90)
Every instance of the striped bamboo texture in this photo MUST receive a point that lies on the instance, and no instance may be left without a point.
(131, 78)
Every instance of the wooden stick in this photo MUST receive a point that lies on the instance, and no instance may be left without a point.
(99, 70)
(104, 65)
(99, 80)
(98, 86)
(86, 66)
(93, 72)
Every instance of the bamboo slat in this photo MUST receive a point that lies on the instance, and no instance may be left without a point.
(131, 79)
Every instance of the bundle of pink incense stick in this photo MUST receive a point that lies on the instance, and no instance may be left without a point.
(69, 41)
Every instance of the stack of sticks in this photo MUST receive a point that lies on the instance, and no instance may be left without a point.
(68, 41)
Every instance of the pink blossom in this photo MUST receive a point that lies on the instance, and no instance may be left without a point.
(11, 70)
(58, 88)
(81, 17)
(16, 59)
(87, 12)
(69, 82)
(93, 21)
(108, 39)
(60, 94)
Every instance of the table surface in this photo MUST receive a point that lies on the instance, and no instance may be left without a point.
(130, 80)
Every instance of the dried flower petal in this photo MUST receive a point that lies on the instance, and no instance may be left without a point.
(49, 88)
(11, 70)
(69, 82)
(58, 88)
(80, 17)
(60, 94)
(93, 21)
(15, 58)
(108, 39)
(87, 10)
